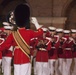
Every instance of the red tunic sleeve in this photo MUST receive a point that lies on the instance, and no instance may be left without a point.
(8, 42)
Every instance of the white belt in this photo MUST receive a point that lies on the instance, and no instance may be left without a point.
(67, 48)
(42, 49)
(53, 47)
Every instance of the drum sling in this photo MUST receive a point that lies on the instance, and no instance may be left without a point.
(24, 47)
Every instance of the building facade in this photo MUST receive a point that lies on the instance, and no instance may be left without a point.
(58, 13)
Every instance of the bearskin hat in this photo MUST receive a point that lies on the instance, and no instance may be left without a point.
(22, 15)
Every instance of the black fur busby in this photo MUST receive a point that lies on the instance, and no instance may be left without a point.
(22, 15)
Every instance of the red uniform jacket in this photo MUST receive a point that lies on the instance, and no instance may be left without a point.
(42, 53)
(67, 47)
(53, 53)
(19, 56)
(1, 42)
(74, 48)
(60, 50)
(6, 53)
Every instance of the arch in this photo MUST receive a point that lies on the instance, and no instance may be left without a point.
(67, 11)
(65, 7)
(72, 4)
(8, 5)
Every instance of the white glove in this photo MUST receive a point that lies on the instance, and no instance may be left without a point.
(6, 24)
(35, 22)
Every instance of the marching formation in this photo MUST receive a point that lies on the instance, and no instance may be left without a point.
(51, 51)
(55, 52)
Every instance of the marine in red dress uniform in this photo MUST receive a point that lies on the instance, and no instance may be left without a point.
(42, 46)
(61, 56)
(73, 35)
(53, 56)
(67, 47)
(6, 54)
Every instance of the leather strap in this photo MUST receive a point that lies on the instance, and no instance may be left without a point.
(21, 43)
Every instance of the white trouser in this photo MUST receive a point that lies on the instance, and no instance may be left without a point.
(42, 68)
(22, 69)
(53, 66)
(6, 65)
(74, 68)
(67, 66)
(0, 61)
(60, 60)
